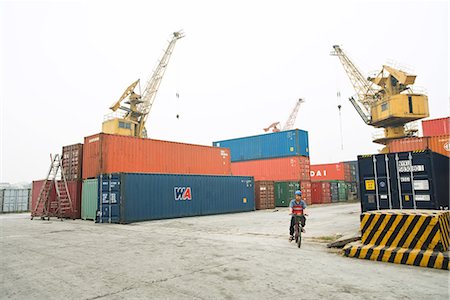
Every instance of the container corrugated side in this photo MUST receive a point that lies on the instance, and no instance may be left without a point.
(72, 161)
(436, 127)
(264, 195)
(89, 199)
(438, 144)
(326, 172)
(294, 168)
(75, 195)
(404, 180)
(133, 197)
(105, 153)
(265, 146)
(15, 200)
(320, 192)
(285, 192)
(305, 187)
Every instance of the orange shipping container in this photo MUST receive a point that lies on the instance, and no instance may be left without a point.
(436, 127)
(438, 144)
(292, 168)
(106, 153)
(326, 172)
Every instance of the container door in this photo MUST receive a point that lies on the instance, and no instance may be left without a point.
(110, 198)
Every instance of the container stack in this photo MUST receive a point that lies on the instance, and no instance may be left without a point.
(334, 182)
(128, 179)
(436, 137)
(72, 162)
(279, 157)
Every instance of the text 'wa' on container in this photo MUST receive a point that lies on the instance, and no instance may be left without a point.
(106, 153)
(404, 180)
(132, 197)
(271, 145)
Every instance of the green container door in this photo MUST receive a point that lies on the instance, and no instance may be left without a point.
(285, 192)
(89, 199)
(342, 187)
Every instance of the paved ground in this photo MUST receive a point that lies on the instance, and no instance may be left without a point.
(234, 256)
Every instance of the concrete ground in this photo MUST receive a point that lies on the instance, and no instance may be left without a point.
(232, 256)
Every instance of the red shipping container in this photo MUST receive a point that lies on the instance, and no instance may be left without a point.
(72, 161)
(436, 127)
(106, 153)
(305, 187)
(321, 192)
(264, 195)
(438, 144)
(292, 168)
(325, 172)
(75, 195)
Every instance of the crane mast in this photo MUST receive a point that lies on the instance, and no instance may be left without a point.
(132, 123)
(293, 116)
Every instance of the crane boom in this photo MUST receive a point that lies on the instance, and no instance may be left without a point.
(293, 116)
(151, 89)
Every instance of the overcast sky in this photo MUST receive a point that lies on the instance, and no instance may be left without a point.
(241, 66)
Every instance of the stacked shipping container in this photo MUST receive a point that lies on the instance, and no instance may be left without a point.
(282, 157)
(334, 182)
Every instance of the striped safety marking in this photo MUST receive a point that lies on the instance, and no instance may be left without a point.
(406, 229)
(398, 255)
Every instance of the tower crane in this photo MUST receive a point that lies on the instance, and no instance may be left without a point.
(385, 100)
(131, 121)
(290, 121)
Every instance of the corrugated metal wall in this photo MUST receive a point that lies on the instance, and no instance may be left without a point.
(89, 199)
(105, 153)
(15, 200)
(264, 146)
(132, 197)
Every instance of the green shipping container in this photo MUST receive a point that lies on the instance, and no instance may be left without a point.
(89, 199)
(285, 192)
(342, 187)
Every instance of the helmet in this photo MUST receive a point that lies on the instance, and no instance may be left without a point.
(298, 192)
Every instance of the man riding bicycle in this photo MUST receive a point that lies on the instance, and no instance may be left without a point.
(297, 207)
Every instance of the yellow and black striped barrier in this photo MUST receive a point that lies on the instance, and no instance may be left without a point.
(419, 238)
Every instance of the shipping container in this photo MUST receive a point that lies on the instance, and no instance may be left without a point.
(351, 171)
(320, 192)
(342, 191)
(294, 168)
(132, 197)
(404, 180)
(439, 144)
(328, 172)
(271, 145)
(285, 192)
(305, 187)
(352, 191)
(264, 195)
(75, 196)
(72, 161)
(89, 199)
(436, 127)
(106, 153)
(334, 190)
(15, 200)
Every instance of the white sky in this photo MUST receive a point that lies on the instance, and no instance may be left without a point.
(241, 66)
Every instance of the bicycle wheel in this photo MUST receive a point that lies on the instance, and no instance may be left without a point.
(296, 231)
(299, 238)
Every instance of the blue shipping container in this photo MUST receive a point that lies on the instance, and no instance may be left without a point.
(132, 197)
(271, 145)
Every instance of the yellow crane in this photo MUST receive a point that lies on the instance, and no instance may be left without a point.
(131, 120)
(385, 100)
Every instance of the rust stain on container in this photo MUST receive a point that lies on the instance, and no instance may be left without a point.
(106, 153)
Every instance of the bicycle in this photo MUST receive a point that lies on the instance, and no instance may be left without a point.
(298, 230)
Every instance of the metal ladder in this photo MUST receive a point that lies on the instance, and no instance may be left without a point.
(47, 207)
